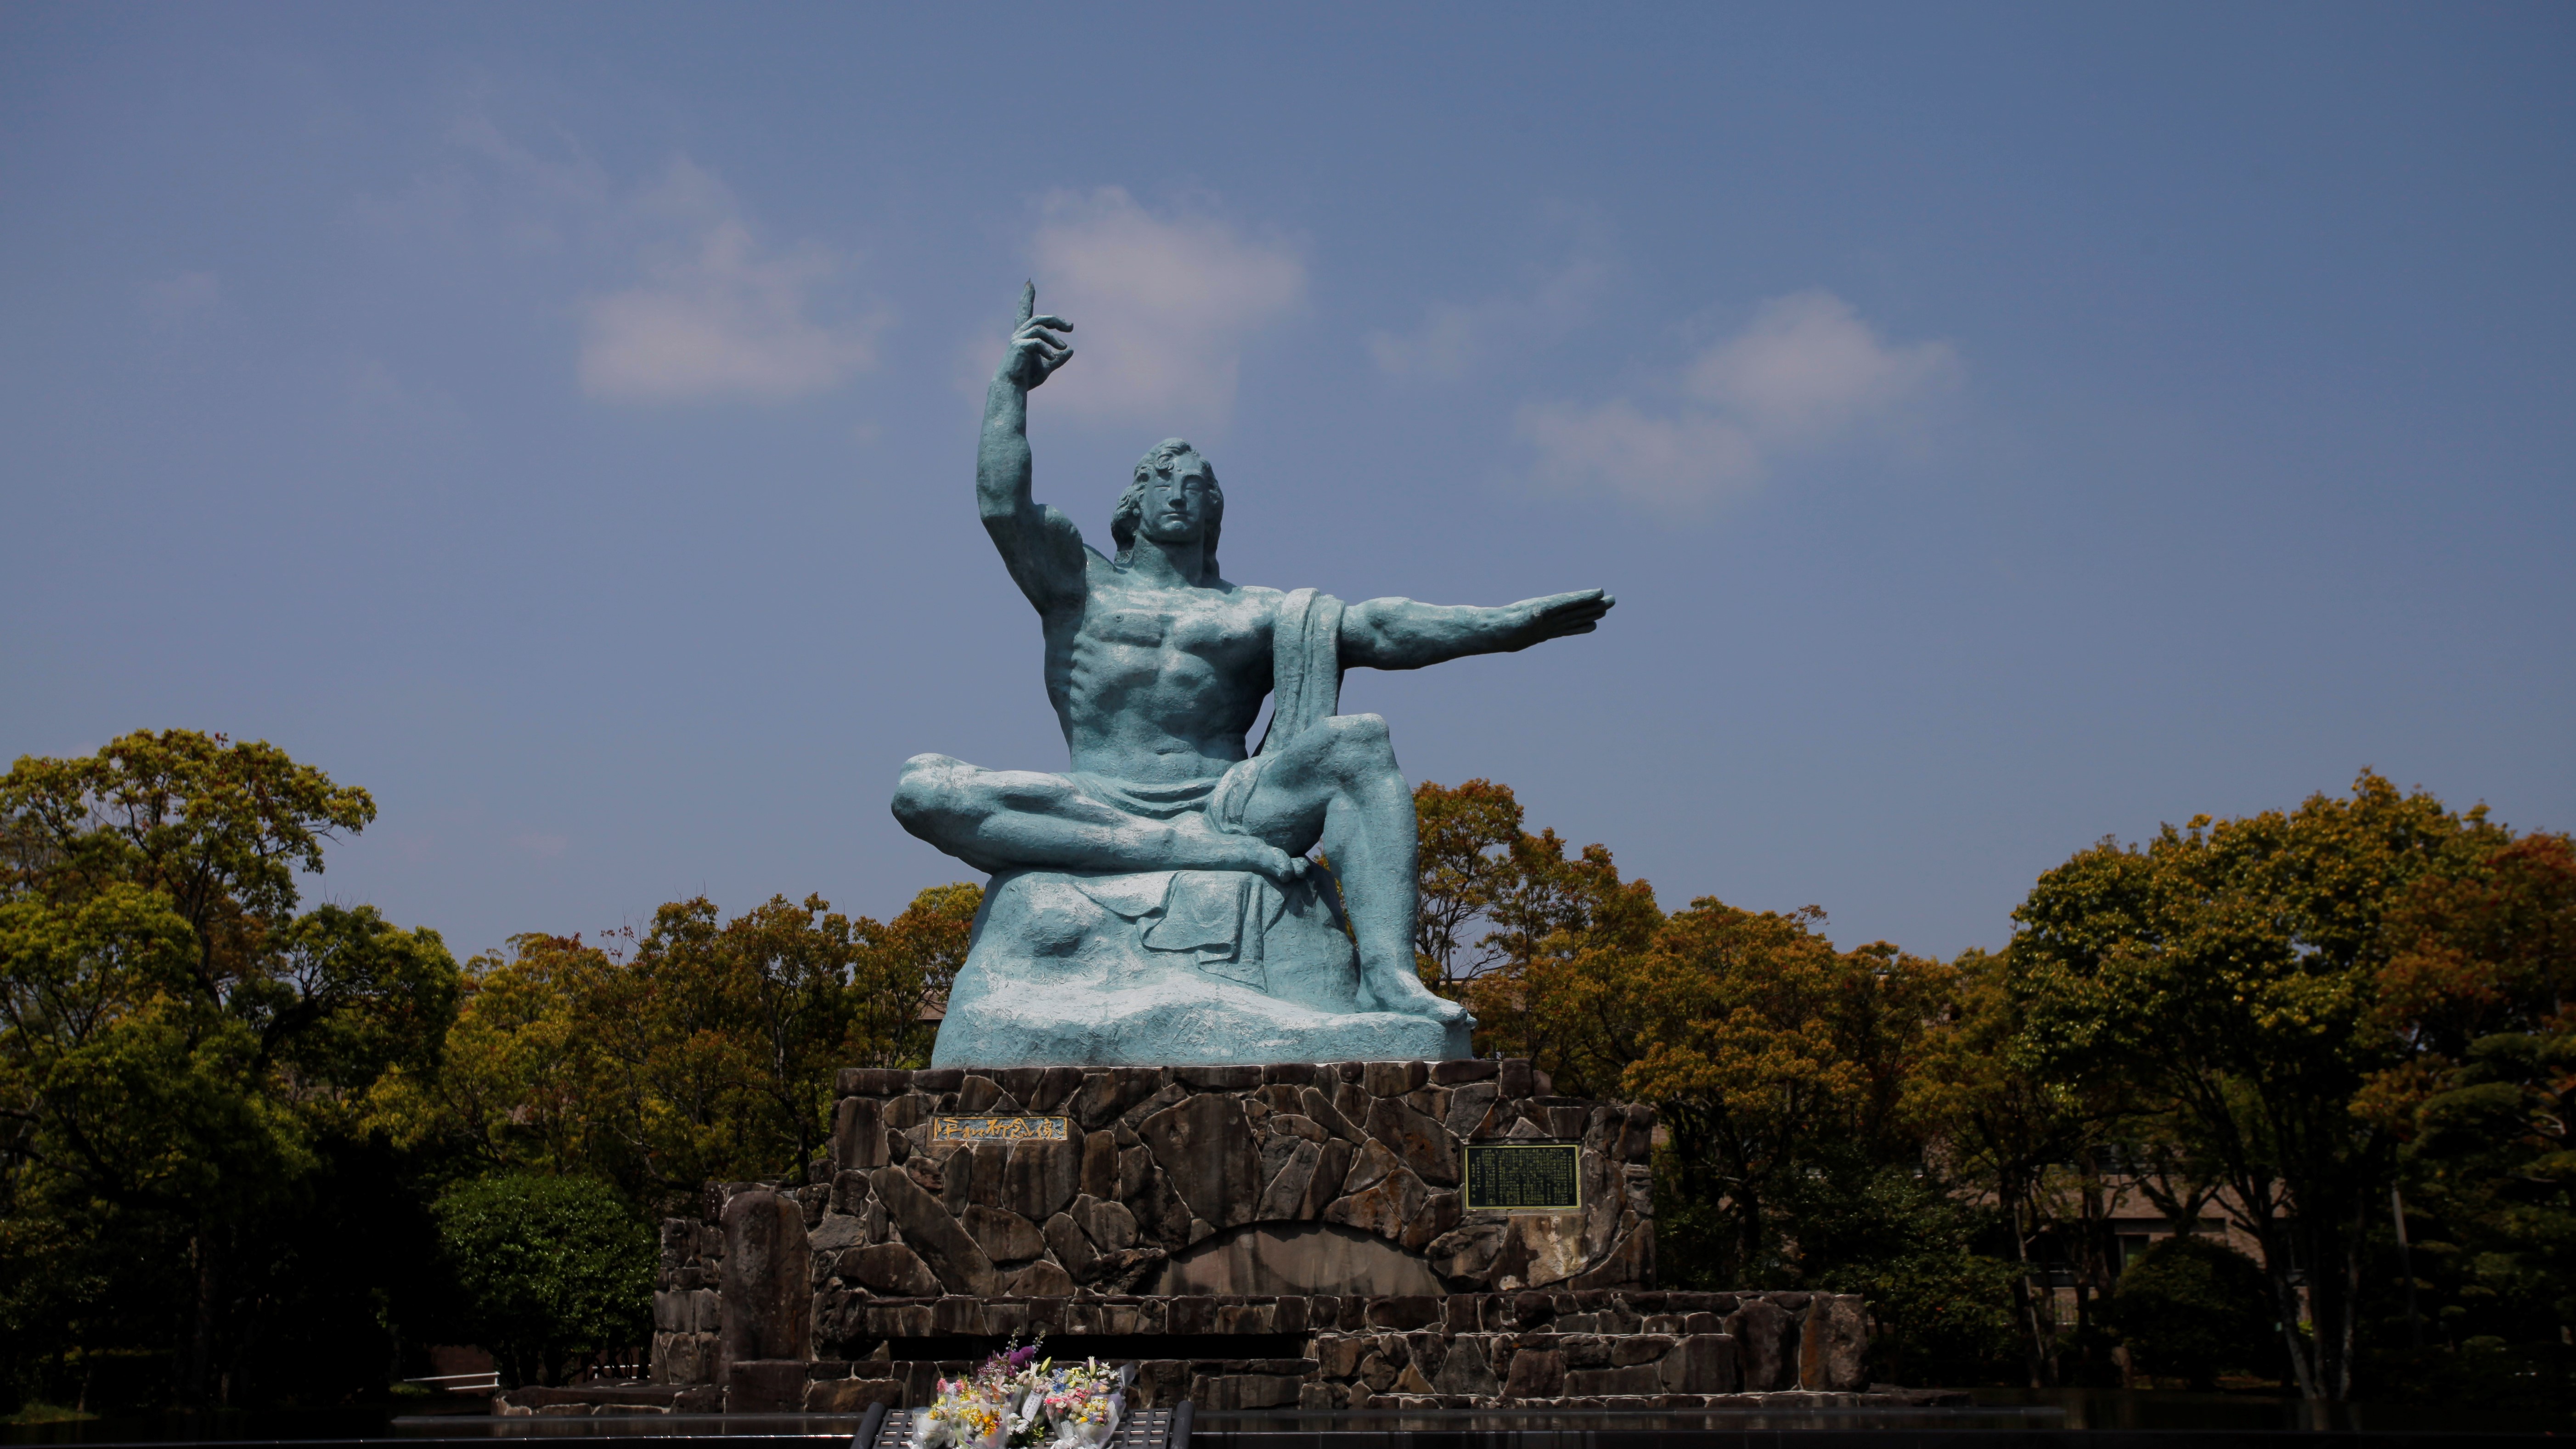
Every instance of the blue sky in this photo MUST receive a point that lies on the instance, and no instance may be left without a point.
(2002, 426)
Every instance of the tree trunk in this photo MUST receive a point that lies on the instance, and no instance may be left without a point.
(2278, 1264)
(2037, 1341)
(197, 1388)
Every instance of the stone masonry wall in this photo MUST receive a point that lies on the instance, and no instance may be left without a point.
(1252, 1236)
(1465, 1350)
(1160, 1160)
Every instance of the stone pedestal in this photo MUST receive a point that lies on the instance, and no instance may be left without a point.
(1253, 1236)
(1340, 1178)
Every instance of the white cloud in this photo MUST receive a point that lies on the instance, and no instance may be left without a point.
(1163, 306)
(1805, 375)
(1808, 367)
(1687, 457)
(716, 316)
(1454, 335)
(685, 300)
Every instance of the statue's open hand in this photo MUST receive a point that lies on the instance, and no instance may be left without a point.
(1558, 615)
(1035, 353)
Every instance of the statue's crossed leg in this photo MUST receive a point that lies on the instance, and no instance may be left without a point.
(1336, 785)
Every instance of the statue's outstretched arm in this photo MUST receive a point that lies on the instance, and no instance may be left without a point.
(1040, 546)
(1401, 634)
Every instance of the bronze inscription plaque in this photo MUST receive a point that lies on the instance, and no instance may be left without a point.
(998, 1129)
(1524, 1176)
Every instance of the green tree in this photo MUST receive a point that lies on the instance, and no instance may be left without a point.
(703, 1049)
(2228, 972)
(545, 1270)
(183, 1057)
(902, 971)
(2481, 972)
(1496, 898)
(1915, 1247)
(2018, 1139)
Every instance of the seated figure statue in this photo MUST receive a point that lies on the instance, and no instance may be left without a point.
(1154, 904)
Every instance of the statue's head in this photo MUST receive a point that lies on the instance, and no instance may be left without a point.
(1173, 499)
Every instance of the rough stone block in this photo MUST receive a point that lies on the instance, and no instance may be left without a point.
(1468, 1107)
(1290, 1183)
(1205, 1150)
(1637, 1348)
(1038, 1178)
(1386, 1208)
(1765, 1345)
(1701, 1363)
(858, 1135)
(836, 1232)
(767, 1279)
(889, 1270)
(1248, 1317)
(1321, 1108)
(764, 1386)
(872, 1082)
(1833, 1344)
(950, 1251)
(1535, 1374)
(1109, 1225)
(1411, 1311)
(1629, 1263)
(1107, 1093)
(1099, 1165)
(1040, 1279)
(1640, 1379)
(1465, 1370)
(1417, 1139)
(1070, 1247)
(1191, 1313)
(1005, 1237)
(1440, 1212)
(1055, 1087)
(1393, 1079)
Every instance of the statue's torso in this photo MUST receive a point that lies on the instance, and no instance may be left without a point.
(1158, 685)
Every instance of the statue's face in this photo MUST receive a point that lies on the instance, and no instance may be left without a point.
(1176, 507)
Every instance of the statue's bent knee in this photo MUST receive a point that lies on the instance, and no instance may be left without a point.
(1361, 741)
(924, 791)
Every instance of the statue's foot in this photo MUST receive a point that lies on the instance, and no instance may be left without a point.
(1402, 992)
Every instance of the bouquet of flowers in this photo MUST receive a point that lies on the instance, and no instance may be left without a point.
(1016, 1400)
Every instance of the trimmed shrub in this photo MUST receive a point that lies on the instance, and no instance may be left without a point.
(544, 1270)
(2193, 1308)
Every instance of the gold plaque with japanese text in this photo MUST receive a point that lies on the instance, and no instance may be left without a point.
(999, 1129)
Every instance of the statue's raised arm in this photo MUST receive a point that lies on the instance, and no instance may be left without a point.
(1040, 546)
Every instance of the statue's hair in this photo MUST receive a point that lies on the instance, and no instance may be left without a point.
(1160, 461)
